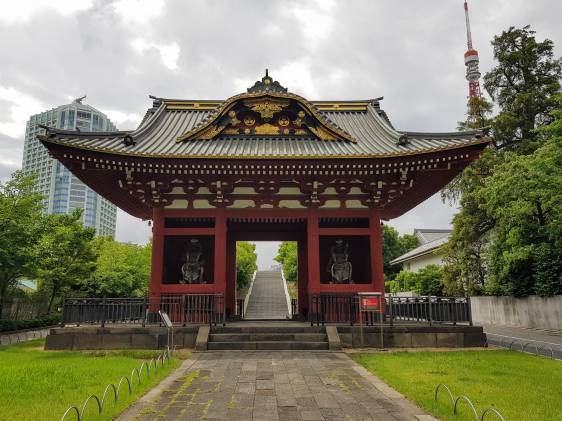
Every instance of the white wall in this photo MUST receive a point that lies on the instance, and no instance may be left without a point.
(420, 262)
(531, 312)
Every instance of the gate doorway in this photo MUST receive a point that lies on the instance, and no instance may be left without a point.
(269, 298)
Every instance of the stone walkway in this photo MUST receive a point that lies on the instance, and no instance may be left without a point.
(269, 386)
(267, 300)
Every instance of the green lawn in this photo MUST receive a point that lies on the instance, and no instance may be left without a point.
(520, 386)
(41, 385)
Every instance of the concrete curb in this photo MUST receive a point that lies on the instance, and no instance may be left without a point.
(334, 343)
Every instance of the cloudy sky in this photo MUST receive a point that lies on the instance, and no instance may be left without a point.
(118, 52)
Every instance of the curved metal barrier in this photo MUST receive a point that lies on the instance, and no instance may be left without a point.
(540, 348)
(460, 398)
(165, 356)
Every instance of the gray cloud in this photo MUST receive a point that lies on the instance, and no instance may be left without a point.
(409, 51)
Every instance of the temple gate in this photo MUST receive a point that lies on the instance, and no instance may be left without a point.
(265, 165)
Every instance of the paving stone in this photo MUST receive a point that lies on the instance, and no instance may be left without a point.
(272, 386)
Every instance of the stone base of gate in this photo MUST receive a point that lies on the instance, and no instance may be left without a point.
(153, 337)
(92, 337)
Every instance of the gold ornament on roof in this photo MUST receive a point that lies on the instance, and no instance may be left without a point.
(249, 121)
(266, 107)
(267, 129)
(283, 121)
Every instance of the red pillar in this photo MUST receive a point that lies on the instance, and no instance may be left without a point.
(313, 248)
(231, 277)
(302, 277)
(157, 267)
(220, 252)
(377, 268)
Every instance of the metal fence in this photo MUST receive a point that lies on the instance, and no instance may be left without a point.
(182, 309)
(344, 308)
(21, 309)
(428, 309)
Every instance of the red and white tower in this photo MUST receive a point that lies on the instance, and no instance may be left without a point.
(471, 61)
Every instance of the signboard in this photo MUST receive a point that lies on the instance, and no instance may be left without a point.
(371, 302)
(165, 319)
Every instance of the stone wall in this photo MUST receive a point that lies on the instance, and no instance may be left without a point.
(90, 337)
(530, 312)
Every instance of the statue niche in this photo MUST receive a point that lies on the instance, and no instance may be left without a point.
(339, 265)
(192, 269)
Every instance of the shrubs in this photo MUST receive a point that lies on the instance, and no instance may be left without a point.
(12, 325)
(427, 281)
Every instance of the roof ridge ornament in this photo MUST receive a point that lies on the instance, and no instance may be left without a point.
(267, 84)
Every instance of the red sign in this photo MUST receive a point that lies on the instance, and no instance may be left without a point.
(370, 303)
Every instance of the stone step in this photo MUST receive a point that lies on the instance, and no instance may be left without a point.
(267, 345)
(268, 329)
(268, 337)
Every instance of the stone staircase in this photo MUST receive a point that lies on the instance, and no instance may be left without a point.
(268, 338)
(267, 300)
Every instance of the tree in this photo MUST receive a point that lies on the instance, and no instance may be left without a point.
(478, 114)
(122, 269)
(287, 255)
(524, 198)
(393, 246)
(64, 254)
(427, 281)
(246, 263)
(20, 222)
(523, 84)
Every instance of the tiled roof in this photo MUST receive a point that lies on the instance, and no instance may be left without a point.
(426, 235)
(367, 125)
(423, 249)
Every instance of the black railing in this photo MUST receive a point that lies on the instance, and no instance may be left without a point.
(294, 307)
(104, 310)
(333, 308)
(240, 307)
(429, 309)
(192, 308)
(344, 308)
(181, 308)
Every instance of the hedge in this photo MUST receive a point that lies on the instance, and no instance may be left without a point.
(13, 325)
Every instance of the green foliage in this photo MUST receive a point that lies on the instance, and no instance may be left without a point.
(246, 259)
(13, 325)
(393, 246)
(64, 254)
(524, 198)
(20, 223)
(478, 114)
(405, 280)
(523, 84)
(505, 236)
(519, 385)
(287, 255)
(122, 269)
(427, 281)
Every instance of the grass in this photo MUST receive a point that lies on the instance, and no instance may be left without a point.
(520, 386)
(41, 385)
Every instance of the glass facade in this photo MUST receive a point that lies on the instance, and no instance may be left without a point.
(63, 192)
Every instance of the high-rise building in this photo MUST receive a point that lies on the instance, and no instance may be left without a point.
(64, 192)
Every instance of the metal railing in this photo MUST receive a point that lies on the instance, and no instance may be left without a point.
(192, 308)
(333, 308)
(181, 308)
(99, 311)
(240, 307)
(540, 348)
(429, 309)
(294, 307)
(455, 402)
(73, 411)
(344, 308)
